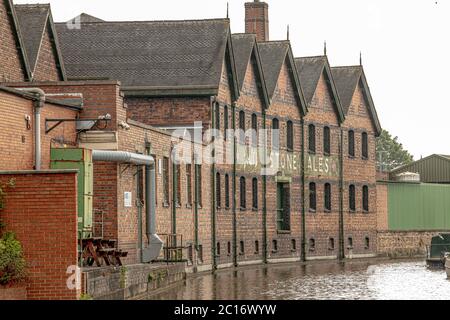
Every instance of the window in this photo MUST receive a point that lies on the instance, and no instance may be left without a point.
(178, 184)
(254, 130)
(327, 191)
(275, 134)
(365, 198)
(352, 197)
(367, 243)
(200, 254)
(217, 116)
(350, 242)
(242, 193)
(364, 146)
(165, 173)
(218, 193)
(351, 143)
(189, 184)
(256, 247)
(331, 244)
(312, 138)
(326, 141)
(283, 207)
(227, 191)
(290, 135)
(274, 245)
(218, 248)
(229, 248)
(255, 193)
(312, 196)
(225, 121)
(312, 244)
(242, 126)
(293, 245)
(241, 247)
(199, 184)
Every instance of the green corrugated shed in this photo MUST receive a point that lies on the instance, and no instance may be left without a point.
(414, 206)
(432, 169)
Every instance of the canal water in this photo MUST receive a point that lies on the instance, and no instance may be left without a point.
(355, 280)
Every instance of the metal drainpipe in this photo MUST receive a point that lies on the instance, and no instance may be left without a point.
(341, 197)
(139, 207)
(265, 251)
(174, 194)
(213, 187)
(303, 253)
(38, 105)
(235, 262)
(196, 196)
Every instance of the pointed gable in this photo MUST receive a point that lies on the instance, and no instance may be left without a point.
(40, 40)
(310, 71)
(248, 60)
(350, 79)
(274, 56)
(14, 66)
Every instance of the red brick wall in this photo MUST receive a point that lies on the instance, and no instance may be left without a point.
(257, 20)
(42, 210)
(46, 66)
(17, 142)
(11, 68)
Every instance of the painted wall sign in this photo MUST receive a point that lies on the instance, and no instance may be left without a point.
(317, 165)
(127, 199)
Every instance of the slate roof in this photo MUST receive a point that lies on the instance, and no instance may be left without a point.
(34, 19)
(155, 56)
(347, 80)
(84, 17)
(273, 55)
(309, 71)
(245, 49)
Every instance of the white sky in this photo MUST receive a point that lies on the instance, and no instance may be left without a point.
(405, 48)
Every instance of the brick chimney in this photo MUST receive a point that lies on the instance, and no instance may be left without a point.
(257, 19)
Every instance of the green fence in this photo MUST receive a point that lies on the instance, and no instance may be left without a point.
(418, 206)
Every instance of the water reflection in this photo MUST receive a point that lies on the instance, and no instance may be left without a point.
(352, 280)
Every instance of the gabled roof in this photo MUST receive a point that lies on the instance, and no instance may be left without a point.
(347, 80)
(84, 17)
(151, 57)
(273, 55)
(245, 49)
(34, 20)
(309, 71)
(18, 36)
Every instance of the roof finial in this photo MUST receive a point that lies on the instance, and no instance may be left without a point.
(325, 48)
(228, 10)
(287, 36)
(360, 58)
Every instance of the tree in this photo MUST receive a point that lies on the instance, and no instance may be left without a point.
(390, 152)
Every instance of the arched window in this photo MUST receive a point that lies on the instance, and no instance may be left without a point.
(242, 193)
(254, 129)
(312, 244)
(241, 247)
(293, 245)
(312, 138)
(229, 248)
(312, 196)
(242, 126)
(365, 198)
(290, 135)
(352, 197)
(218, 189)
(225, 121)
(350, 242)
(351, 143)
(326, 141)
(331, 244)
(227, 191)
(274, 245)
(255, 193)
(364, 145)
(218, 248)
(275, 134)
(256, 247)
(217, 116)
(327, 197)
(367, 243)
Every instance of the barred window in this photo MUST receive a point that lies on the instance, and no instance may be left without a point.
(352, 197)
(255, 193)
(351, 143)
(242, 193)
(365, 146)
(218, 189)
(327, 197)
(312, 138)
(290, 135)
(365, 199)
(227, 191)
(326, 141)
(312, 196)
